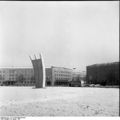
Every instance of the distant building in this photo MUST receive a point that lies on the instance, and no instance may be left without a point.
(48, 76)
(17, 76)
(76, 74)
(25, 76)
(104, 74)
(61, 75)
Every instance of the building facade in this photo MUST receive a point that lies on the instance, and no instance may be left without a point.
(48, 76)
(17, 76)
(55, 76)
(104, 74)
(61, 75)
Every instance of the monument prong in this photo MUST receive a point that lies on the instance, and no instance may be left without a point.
(40, 55)
(30, 58)
(35, 57)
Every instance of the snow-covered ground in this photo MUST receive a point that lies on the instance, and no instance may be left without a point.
(59, 101)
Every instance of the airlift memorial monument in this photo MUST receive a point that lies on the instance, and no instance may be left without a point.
(39, 72)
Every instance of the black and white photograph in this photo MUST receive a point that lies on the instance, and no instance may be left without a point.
(59, 58)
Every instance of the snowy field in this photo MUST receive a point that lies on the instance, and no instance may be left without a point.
(59, 101)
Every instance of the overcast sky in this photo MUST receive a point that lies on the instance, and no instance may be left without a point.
(69, 34)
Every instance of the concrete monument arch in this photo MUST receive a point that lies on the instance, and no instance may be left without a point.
(39, 71)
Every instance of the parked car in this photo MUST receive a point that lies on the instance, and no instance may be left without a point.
(97, 85)
(92, 85)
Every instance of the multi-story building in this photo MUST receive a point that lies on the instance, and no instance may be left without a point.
(16, 76)
(104, 74)
(25, 76)
(61, 75)
(7, 75)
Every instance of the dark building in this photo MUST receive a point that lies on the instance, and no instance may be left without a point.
(104, 74)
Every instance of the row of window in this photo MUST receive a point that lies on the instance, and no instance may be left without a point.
(15, 72)
(12, 78)
(2, 71)
(28, 82)
(61, 75)
(66, 78)
(62, 72)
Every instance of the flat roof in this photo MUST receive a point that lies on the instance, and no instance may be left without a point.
(103, 64)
